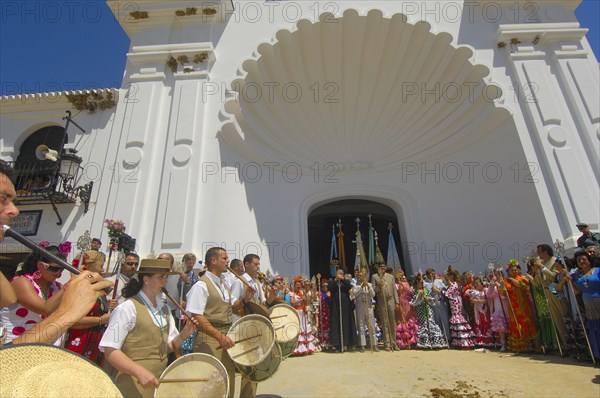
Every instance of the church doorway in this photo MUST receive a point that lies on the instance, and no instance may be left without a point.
(323, 218)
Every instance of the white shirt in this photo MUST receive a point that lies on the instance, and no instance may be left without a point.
(123, 320)
(230, 279)
(363, 295)
(258, 292)
(198, 294)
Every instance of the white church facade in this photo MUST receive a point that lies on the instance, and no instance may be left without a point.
(473, 127)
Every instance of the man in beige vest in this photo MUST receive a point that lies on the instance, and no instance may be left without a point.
(210, 302)
(387, 299)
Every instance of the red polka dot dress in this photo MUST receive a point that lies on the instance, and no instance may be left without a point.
(18, 319)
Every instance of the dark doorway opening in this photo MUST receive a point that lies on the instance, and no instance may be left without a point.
(321, 220)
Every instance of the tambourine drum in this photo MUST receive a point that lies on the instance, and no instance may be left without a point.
(258, 309)
(255, 354)
(194, 366)
(286, 322)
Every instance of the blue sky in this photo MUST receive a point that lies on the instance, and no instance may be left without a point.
(68, 45)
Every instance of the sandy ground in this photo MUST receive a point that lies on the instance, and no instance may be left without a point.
(417, 373)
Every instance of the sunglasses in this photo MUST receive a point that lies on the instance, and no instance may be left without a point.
(52, 268)
(132, 263)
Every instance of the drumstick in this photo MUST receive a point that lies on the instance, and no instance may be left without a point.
(243, 280)
(244, 353)
(278, 316)
(181, 380)
(244, 339)
(189, 316)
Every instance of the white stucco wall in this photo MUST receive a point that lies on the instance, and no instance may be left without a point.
(160, 161)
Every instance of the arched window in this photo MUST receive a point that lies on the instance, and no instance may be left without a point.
(36, 178)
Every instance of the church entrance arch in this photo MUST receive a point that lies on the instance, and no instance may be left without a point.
(322, 220)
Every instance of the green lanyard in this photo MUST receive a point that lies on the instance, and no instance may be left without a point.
(158, 320)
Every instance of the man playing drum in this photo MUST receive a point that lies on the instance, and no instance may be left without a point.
(210, 302)
(251, 266)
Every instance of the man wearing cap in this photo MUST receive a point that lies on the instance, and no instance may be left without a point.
(96, 244)
(209, 301)
(587, 238)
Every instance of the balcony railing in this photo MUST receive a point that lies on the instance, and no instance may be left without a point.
(40, 182)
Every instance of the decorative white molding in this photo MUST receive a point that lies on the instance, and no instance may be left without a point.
(413, 96)
(163, 13)
(49, 101)
(144, 55)
(545, 32)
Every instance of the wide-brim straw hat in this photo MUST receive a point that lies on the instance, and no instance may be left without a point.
(38, 370)
(155, 266)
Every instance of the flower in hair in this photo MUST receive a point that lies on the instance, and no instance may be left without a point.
(44, 244)
(65, 247)
(513, 262)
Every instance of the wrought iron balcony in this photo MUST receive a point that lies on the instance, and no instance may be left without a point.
(47, 182)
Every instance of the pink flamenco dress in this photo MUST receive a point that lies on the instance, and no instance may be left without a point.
(305, 339)
(460, 330)
(407, 328)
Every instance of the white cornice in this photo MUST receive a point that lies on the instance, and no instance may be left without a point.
(568, 4)
(163, 13)
(46, 101)
(543, 31)
(142, 55)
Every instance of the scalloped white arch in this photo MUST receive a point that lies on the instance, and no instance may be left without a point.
(374, 92)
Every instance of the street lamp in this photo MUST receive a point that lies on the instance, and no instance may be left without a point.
(69, 169)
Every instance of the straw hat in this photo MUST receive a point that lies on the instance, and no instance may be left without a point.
(155, 266)
(37, 370)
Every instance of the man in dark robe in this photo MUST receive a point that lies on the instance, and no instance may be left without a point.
(341, 302)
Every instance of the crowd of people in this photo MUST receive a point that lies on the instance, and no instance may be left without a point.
(541, 309)
(134, 332)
